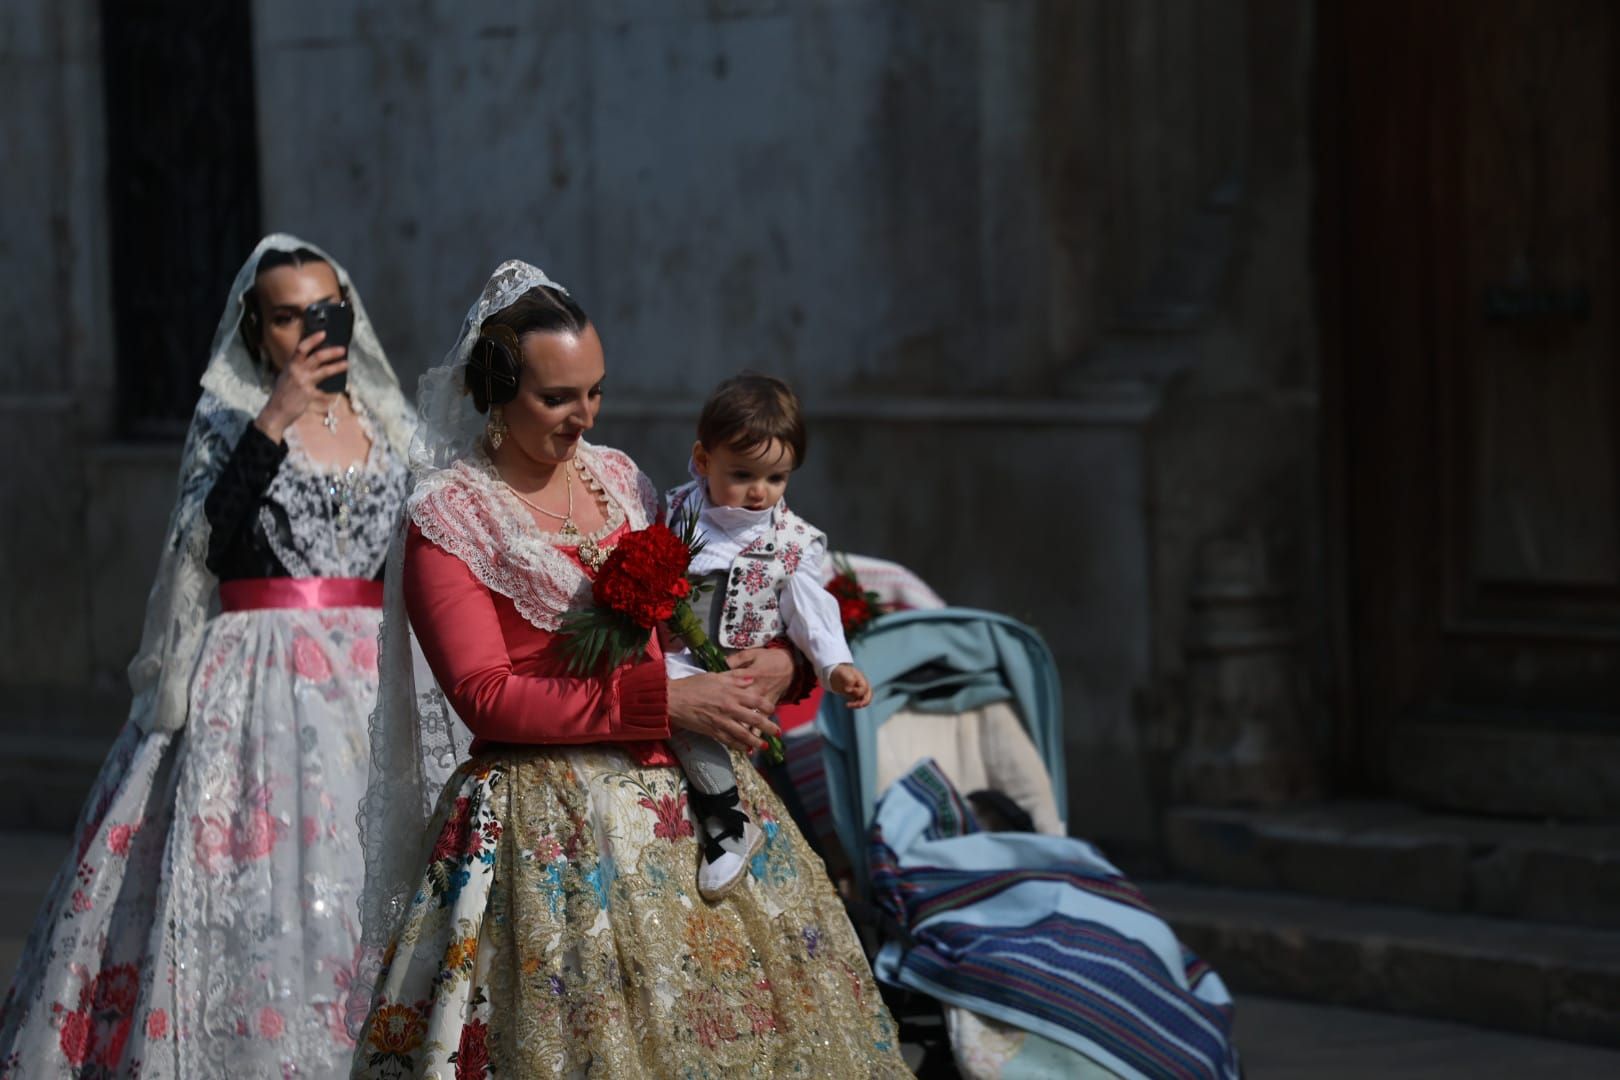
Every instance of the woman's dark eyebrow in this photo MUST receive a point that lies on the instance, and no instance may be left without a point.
(572, 389)
(296, 309)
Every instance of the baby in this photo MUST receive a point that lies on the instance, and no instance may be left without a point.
(764, 562)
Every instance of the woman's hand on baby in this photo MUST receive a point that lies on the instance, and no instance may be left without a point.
(850, 683)
(772, 670)
(727, 707)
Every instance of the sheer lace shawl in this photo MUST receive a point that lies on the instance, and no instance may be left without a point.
(469, 512)
(235, 389)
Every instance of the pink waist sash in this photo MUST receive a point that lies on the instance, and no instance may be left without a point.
(252, 594)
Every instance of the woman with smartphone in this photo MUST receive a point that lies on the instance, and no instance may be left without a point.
(205, 922)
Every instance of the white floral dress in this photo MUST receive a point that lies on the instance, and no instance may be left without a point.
(204, 924)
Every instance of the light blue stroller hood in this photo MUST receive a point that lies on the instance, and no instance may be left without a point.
(944, 660)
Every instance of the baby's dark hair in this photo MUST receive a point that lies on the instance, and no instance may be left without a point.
(751, 410)
(252, 324)
(496, 361)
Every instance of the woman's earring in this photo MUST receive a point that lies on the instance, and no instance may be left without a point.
(496, 428)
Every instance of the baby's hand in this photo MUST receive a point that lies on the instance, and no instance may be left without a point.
(849, 683)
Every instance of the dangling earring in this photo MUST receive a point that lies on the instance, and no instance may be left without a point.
(496, 428)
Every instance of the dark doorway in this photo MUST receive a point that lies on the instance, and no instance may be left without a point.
(183, 192)
(1470, 248)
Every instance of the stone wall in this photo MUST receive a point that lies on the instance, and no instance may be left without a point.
(56, 380)
(835, 191)
(1039, 268)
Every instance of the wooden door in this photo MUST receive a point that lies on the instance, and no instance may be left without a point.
(1469, 284)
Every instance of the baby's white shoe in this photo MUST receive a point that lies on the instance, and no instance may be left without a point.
(725, 861)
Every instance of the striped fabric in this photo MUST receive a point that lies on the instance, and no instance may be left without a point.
(808, 775)
(1043, 933)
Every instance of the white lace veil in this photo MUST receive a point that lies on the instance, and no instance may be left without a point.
(451, 428)
(235, 387)
(416, 739)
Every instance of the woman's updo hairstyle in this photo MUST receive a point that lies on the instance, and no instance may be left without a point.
(252, 324)
(496, 360)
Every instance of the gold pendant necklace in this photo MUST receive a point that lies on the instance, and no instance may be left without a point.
(567, 519)
(591, 554)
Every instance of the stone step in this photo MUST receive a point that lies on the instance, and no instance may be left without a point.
(1559, 982)
(1293, 1040)
(1396, 854)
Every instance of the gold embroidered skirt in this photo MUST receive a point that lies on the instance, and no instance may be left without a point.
(558, 931)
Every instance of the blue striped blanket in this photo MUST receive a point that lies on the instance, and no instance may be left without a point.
(1043, 933)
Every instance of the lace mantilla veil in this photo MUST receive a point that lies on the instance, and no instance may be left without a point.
(460, 504)
(235, 388)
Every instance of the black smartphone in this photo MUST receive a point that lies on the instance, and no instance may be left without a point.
(336, 317)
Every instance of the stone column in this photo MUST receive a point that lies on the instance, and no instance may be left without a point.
(1247, 698)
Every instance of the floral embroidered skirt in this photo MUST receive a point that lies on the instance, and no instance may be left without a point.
(205, 923)
(558, 932)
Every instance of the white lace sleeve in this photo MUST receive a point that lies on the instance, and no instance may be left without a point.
(177, 608)
(417, 741)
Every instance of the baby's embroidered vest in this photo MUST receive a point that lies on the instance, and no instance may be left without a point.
(749, 614)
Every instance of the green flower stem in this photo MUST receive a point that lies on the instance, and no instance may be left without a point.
(686, 626)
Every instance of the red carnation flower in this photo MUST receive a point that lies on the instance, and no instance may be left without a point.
(856, 606)
(645, 576)
(641, 585)
(854, 613)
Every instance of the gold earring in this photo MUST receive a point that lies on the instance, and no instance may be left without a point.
(496, 428)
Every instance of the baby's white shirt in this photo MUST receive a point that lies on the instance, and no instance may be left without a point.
(809, 612)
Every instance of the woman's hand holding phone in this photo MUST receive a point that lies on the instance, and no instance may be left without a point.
(297, 385)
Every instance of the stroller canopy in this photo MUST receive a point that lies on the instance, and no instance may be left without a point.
(945, 660)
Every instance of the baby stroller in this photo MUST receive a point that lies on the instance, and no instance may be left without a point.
(801, 780)
(964, 923)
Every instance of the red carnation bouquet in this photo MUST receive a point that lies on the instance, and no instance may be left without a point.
(857, 606)
(643, 584)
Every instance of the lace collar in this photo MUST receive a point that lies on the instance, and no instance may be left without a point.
(467, 510)
(613, 513)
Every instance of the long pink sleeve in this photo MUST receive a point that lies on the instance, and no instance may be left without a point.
(504, 691)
